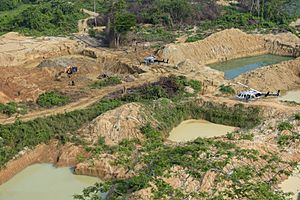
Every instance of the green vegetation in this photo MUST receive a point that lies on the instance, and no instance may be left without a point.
(53, 17)
(156, 158)
(50, 99)
(109, 81)
(156, 33)
(285, 126)
(11, 108)
(21, 134)
(196, 158)
(297, 116)
(285, 140)
(226, 89)
(14, 137)
(169, 114)
(8, 4)
(245, 20)
(167, 17)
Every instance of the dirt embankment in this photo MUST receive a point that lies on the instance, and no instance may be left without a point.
(59, 155)
(16, 50)
(221, 46)
(230, 44)
(120, 62)
(282, 76)
(115, 125)
(286, 44)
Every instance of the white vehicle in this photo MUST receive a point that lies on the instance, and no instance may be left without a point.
(152, 60)
(253, 94)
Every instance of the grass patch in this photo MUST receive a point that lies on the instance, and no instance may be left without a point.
(226, 89)
(285, 140)
(109, 81)
(50, 99)
(285, 126)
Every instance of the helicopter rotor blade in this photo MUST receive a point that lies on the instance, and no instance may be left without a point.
(248, 87)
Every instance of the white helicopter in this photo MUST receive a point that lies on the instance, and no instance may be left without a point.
(253, 94)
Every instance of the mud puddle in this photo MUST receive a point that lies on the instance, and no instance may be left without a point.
(236, 67)
(191, 129)
(43, 181)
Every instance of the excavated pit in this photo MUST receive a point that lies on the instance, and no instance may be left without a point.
(33, 184)
(191, 129)
(235, 44)
(234, 68)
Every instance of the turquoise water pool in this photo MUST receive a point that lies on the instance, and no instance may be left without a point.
(235, 67)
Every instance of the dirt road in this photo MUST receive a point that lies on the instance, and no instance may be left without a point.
(81, 103)
(83, 23)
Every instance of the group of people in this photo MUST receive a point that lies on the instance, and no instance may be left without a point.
(70, 70)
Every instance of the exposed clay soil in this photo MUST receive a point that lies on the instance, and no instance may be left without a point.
(115, 125)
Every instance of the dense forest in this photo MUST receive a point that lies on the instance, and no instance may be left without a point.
(167, 17)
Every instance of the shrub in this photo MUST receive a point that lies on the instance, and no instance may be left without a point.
(50, 99)
(109, 81)
(249, 136)
(196, 85)
(8, 4)
(297, 116)
(285, 126)
(284, 140)
(226, 89)
(230, 136)
(11, 108)
(92, 33)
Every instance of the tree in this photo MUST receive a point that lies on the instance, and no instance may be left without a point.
(119, 22)
(273, 10)
(123, 22)
(178, 10)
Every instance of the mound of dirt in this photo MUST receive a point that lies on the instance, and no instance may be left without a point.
(115, 125)
(16, 49)
(19, 85)
(221, 46)
(204, 72)
(282, 76)
(86, 65)
(230, 44)
(116, 62)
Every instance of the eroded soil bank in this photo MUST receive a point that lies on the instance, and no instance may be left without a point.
(230, 44)
(54, 153)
